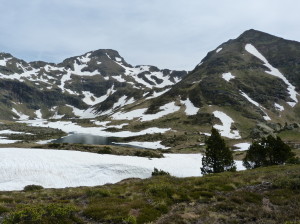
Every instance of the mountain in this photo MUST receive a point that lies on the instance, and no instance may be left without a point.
(247, 87)
(82, 86)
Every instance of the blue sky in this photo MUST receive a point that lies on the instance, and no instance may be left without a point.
(174, 34)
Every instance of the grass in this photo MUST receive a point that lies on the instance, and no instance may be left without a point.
(264, 195)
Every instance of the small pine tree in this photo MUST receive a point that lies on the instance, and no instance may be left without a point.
(218, 157)
(266, 152)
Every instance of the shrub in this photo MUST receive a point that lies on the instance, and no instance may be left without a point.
(266, 152)
(33, 188)
(51, 213)
(157, 172)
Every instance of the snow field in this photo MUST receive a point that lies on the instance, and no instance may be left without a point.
(61, 168)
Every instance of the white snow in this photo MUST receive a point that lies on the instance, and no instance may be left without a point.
(38, 114)
(266, 117)
(275, 72)
(119, 78)
(4, 140)
(21, 115)
(242, 146)
(78, 70)
(139, 113)
(4, 61)
(9, 132)
(218, 50)
(148, 145)
(278, 107)
(118, 59)
(225, 129)
(91, 99)
(190, 109)
(88, 113)
(61, 168)
(228, 76)
(156, 94)
(68, 126)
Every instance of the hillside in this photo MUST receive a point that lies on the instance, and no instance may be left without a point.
(264, 195)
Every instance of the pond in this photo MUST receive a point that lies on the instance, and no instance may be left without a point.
(86, 139)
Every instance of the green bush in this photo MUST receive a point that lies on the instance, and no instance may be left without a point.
(157, 172)
(51, 213)
(33, 188)
(98, 193)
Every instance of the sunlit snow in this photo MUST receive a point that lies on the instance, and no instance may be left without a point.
(218, 50)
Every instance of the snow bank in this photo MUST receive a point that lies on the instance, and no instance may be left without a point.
(61, 168)
(190, 109)
(275, 72)
(225, 128)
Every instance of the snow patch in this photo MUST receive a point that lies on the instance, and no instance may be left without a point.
(119, 78)
(156, 94)
(21, 115)
(148, 145)
(68, 126)
(225, 129)
(139, 113)
(218, 50)
(190, 109)
(266, 117)
(242, 146)
(278, 107)
(228, 76)
(275, 72)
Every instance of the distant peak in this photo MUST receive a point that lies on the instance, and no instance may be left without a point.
(253, 34)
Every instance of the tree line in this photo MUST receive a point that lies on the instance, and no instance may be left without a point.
(264, 152)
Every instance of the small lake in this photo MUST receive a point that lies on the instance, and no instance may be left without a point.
(86, 139)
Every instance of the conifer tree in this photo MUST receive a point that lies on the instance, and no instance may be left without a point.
(218, 157)
(266, 152)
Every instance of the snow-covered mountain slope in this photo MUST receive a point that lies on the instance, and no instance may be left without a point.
(82, 86)
(245, 82)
